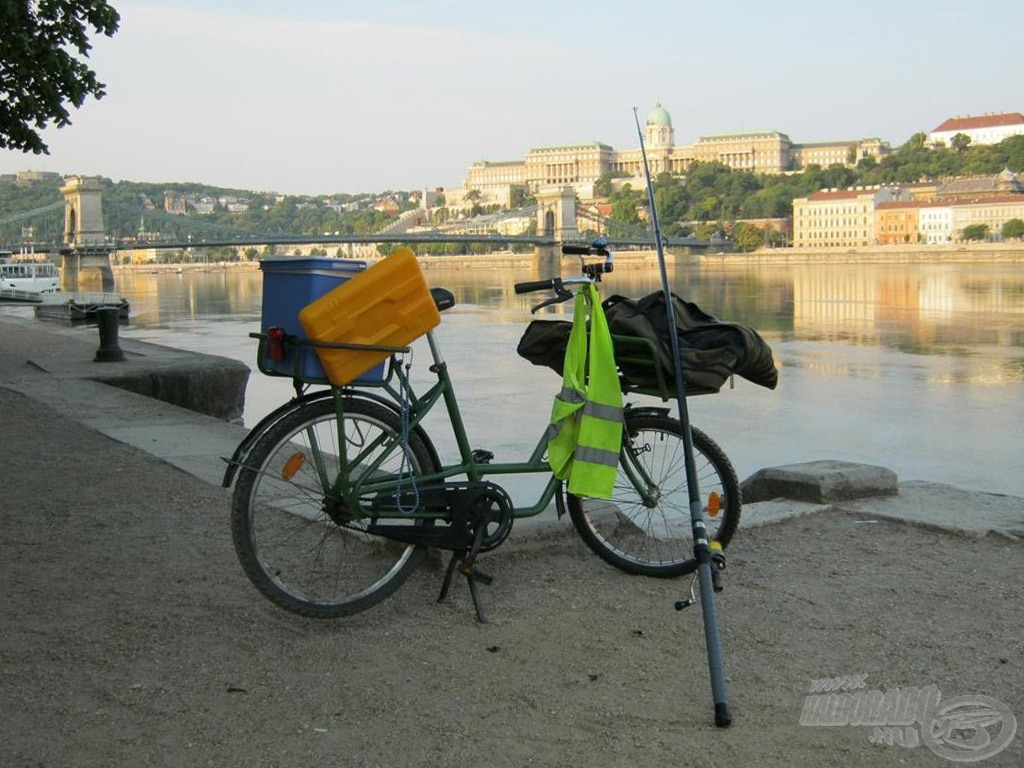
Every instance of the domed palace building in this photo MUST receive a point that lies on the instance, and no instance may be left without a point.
(581, 165)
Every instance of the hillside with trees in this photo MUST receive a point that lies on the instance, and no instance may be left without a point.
(133, 209)
(711, 199)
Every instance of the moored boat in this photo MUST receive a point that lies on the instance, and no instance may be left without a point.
(28, 280)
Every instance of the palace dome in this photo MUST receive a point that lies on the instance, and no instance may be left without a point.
(659, 116)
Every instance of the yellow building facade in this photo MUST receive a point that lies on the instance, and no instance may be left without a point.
(898, 215)
(992, 212)
(754, 151)
(838, 218)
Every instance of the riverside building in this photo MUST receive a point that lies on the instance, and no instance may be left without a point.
(980, 129)
(924, 214)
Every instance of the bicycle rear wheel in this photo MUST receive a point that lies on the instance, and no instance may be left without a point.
(302, 549)
(645, 527)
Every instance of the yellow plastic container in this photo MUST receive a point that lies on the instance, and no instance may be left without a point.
(388, 304)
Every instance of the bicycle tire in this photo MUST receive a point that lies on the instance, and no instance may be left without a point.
(291, 548)
(657, 539)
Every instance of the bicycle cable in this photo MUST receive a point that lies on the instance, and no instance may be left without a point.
(405, 466)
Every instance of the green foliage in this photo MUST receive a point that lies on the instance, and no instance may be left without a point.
(672, 198)
(774, 239)
(625, 203)
(129, 206)
(747, 237)
(710, 229)
(603, 185)
(960, 142)
(1013, 229)
(866, 164)
(17, 199)
(976, 232)
(773, 201)
(40, 72)
(520, 197)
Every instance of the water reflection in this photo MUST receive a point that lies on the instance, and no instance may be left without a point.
(160, 299)
(934, 309)
(917, 367)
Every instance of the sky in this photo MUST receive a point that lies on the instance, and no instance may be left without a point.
(327, 96)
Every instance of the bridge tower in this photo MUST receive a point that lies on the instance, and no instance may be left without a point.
(85, 243)
(556, 213)
(83, 210)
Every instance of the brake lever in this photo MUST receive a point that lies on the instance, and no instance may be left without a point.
(564, 294)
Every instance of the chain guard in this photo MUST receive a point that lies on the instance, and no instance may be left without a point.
(466, 507)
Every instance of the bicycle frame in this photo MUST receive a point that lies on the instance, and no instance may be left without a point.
(419, 405)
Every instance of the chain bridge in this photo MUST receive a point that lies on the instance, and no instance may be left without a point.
(84, 242)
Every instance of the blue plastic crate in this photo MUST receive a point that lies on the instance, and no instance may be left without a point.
(289, 284)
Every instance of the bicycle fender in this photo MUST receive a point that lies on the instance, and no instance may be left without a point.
(646, 410)
(267, 422)
(261, 427)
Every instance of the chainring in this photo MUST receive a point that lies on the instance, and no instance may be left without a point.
(492, 510)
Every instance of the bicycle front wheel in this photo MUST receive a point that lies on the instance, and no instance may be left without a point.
(301, 548)
(645, 527)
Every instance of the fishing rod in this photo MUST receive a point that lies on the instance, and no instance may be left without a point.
(701, 546)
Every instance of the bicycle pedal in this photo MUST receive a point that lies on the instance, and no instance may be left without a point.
(480, 456)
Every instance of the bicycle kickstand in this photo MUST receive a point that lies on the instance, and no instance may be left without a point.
(465, 561)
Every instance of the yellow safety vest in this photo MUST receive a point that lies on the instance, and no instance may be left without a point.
(585, 434)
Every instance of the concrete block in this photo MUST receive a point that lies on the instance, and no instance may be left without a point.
(820, 482)
(213, 386)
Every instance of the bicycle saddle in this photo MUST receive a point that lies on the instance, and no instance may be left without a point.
(443, 298)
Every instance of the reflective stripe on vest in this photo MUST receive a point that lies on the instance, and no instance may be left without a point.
(585, 434)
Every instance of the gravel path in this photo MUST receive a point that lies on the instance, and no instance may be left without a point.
(130, 637)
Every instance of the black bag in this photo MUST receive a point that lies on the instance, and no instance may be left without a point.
(710, 350)
(544, 343)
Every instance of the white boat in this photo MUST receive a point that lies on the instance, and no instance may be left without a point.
(28, 280)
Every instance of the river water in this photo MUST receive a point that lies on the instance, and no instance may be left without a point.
(916, 367)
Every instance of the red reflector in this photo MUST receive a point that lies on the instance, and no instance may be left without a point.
(275, 344)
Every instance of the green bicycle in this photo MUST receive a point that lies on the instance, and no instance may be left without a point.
(339, 492)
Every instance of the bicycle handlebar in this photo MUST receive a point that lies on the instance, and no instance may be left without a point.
(591, 272)
(597, 248)
(577, 250)
(534, 285)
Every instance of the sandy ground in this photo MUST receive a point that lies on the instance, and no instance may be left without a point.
(130, 637)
